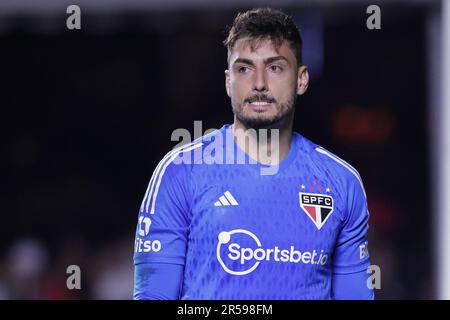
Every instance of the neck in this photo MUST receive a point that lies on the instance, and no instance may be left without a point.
(268, 146)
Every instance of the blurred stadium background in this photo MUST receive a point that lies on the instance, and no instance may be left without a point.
(87, 114)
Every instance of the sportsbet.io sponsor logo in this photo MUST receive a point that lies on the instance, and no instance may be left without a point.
(239, 259)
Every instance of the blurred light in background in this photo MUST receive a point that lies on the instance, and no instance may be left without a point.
(441, 153)
(363, 125)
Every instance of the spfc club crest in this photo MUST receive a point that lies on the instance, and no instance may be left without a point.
(318, 207)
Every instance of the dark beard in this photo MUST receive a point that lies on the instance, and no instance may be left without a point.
(276, 122)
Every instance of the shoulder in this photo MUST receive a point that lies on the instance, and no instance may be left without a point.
(341, 167)
(182, 158)
(334, 165)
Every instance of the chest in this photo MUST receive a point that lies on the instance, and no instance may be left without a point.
(301, 211)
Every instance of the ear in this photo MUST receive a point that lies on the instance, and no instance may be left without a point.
(227, 82)
(302, 80)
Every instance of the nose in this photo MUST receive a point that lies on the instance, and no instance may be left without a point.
(260, 82)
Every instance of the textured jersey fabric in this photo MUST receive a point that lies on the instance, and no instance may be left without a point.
(244, 234)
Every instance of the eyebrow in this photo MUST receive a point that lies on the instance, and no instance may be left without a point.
(266, 61)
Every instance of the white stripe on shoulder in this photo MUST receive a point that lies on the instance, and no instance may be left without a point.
(155, 173)
(151, 185)
(147, 198)
(155, 194)
(343, 163)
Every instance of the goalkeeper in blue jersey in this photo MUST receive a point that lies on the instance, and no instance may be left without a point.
(286, 219)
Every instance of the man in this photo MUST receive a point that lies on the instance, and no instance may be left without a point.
(214, 230)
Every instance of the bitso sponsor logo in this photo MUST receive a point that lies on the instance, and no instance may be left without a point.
(141, 245)
(144, 226)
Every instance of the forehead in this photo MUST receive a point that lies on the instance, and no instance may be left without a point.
(255, 49)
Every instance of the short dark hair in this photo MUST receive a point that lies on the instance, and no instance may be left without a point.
(265, 23)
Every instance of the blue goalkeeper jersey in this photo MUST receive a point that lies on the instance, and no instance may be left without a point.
(243, 230)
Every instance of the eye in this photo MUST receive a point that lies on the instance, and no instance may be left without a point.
(243, 69)
(275, 68)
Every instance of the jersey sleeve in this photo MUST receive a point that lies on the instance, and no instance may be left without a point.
(164, 216)
(157, 281)
(351, 251)
(352, 286)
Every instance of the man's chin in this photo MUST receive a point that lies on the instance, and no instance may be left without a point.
(259, 122)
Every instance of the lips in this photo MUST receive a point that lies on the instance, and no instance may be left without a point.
(260, 103)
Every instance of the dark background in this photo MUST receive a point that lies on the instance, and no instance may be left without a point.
(86, 116)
